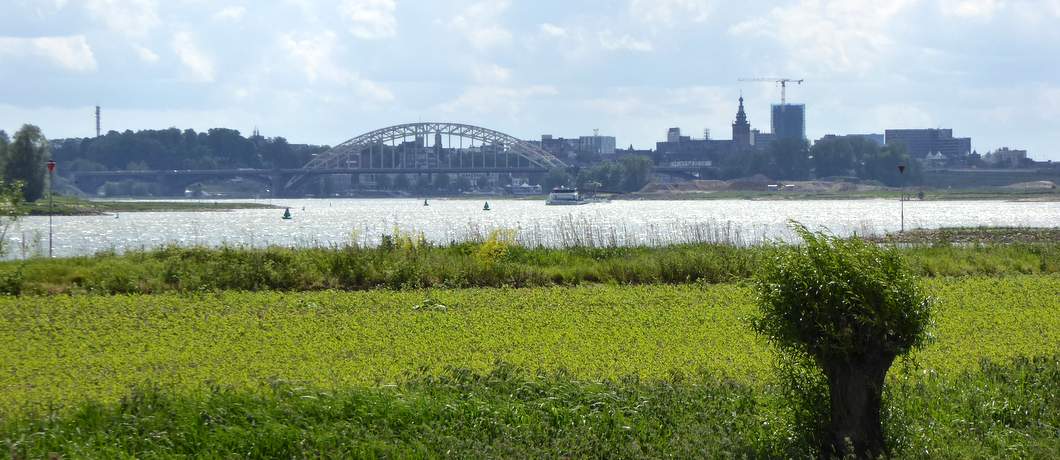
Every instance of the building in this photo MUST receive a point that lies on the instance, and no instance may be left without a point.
(789, 121)
(876, 139)
(1005, 156)
(571, 147)
(922, 142)
(600, 145)
(679, 150)
(634, 152)
(760, 139)
(673, 135)
(741, 128)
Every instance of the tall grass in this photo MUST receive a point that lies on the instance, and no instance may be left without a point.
(405, 261)
(1002, 410)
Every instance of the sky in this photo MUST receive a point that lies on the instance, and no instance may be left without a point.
(322, 72)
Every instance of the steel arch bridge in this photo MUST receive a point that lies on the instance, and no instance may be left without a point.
(370, 151)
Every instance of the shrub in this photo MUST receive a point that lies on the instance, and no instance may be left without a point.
(851, 307)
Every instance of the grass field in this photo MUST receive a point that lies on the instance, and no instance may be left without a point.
(405, 264)
(593, 371)
(67, 350)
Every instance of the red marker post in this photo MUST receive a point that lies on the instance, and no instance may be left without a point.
(901, 173)
(51, 203)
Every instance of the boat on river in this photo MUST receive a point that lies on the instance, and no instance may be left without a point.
(561, 196)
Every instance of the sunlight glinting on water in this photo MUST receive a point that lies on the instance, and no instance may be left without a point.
(342, 221)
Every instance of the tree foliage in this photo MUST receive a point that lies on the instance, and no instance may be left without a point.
(175, 149)
(25, 162)
(10, 212)
(882, 165)
(556, 177)
(4, 141)
(628, 174)
(790, 159)
(849, 308)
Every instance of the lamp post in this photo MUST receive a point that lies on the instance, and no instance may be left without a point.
(51, 203)
(901, 199)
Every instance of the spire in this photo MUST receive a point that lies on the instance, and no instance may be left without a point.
(741, 129)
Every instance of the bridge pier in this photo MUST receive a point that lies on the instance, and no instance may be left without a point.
(278, 184)
(170, 185)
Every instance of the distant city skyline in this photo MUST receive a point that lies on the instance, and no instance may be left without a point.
(321, 72)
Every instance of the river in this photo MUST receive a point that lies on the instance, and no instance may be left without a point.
(327, 222)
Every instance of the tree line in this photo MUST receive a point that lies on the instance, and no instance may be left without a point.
(831, 157)
(217, 148)
(628, 174)
(23, 161)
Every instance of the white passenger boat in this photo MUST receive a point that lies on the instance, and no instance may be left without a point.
(564, 196)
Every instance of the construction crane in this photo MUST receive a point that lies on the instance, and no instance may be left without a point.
(783, 85)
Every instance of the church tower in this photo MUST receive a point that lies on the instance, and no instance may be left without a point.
(741, 129)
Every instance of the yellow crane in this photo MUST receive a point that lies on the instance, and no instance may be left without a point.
(783, 85)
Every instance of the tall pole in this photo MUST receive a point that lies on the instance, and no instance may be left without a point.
(51, 202)
(901, 199)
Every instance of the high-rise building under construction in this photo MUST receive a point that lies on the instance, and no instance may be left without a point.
(789, 121)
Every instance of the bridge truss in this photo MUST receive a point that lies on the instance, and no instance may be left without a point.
(433, 147)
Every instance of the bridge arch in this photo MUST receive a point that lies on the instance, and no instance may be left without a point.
(351, 155)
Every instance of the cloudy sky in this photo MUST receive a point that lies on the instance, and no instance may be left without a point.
(319, 71)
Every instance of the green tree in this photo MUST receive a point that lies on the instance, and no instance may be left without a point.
(276, 153)
(636, 172)
(4, 141)
(833, 156)
(26, 158)
(850, 308)
(791, 158)
(883, 166)
(10, 212)
(556, 177)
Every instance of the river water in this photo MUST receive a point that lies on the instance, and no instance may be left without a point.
(327, 222)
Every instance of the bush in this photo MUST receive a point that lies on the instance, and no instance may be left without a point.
(849, 308)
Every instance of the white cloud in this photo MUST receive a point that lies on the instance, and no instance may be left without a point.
(230, 13)
(901, 115)
(370, 19)
(130, 17)
(146, 54)
(491, 73)
(829, 35)
(610, 41)
(496, 100)
(481, 26)
(553, 30)
(670, 11)
(198, 64)
(1047, 102)
(71, 53)
(316, 56)
(978, 9)
(313, 55)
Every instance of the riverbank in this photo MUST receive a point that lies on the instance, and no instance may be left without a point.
(404, 262)
(912, 194)
(972, 236)
(70, 206)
